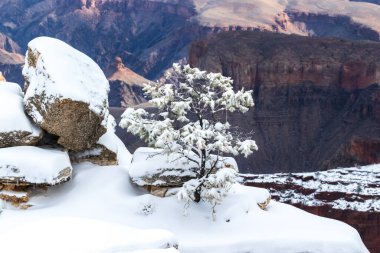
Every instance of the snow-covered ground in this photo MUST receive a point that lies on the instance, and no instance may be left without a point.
(100, 210)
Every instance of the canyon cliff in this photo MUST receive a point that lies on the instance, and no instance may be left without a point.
(317, 99)
(149, 35)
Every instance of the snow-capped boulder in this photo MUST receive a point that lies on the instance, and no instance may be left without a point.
(23, 166)
(66, 93)
(105, 150)
(159, 172)
(16, 128)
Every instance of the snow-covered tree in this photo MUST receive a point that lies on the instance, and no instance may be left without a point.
(192, 121)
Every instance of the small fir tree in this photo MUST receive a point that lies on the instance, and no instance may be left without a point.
(190, 102)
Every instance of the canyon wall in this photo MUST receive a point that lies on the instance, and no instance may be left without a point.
(317, 99)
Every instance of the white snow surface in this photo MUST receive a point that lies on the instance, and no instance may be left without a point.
(109, 139)
(12, 114)
(33, 165)
(80, 211)
(65, 73)
(86, 235)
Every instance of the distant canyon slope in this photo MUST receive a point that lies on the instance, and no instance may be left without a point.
(317, 99)
(148, 35)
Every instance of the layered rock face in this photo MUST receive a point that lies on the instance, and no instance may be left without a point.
(68, 99)
(317, 100)
(350, 195)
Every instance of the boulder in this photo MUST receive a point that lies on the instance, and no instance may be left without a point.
(159, 173)
(16, 128)
(104, 152)
(66, 97)
(35, 172)
(38, 167)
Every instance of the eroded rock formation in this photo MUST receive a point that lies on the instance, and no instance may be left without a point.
(126, 87)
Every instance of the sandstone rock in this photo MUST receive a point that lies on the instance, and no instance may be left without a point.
(158, 172)
(68, 97)
(105, 150)
(263, 205)
(16, 129)
(16, 198)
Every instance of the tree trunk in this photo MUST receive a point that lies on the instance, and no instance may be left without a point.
(203, 164)
(202, 173)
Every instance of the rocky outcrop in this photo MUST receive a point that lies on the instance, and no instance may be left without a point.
(67, 98)
(350, 195)
(126, 87)
(16, 129)
(38, 169)
(54, 169)
(317, 100)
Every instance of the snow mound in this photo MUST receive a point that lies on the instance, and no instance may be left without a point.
(34, 165)
(171, 250)
(56, 70)
(13, 120)
(108, 140)
(86, 235)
